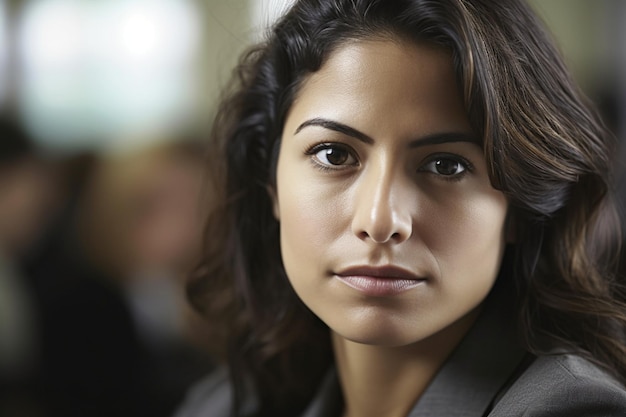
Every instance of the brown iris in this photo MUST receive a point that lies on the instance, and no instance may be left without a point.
(337, 156)
(447, 166)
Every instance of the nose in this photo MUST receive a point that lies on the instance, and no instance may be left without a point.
(383, 208)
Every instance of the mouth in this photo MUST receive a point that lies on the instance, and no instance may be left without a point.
(379, 281)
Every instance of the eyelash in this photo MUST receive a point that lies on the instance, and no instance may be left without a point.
(316, 148)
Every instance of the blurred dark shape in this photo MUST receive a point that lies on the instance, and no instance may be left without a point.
(95, 357)
(26, 199)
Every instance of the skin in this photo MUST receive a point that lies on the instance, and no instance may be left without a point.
(388, 111)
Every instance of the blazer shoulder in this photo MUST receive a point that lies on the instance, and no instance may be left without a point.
(212, 393)
(563, 385)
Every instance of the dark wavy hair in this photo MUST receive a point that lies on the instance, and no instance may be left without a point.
(546, 150)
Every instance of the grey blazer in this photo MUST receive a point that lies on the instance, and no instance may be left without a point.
(488, 374)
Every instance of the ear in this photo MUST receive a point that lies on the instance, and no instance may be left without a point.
(271, 191)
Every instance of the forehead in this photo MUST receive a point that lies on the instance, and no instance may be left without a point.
(405, 87)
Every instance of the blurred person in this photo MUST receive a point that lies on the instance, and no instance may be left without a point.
(89, 357)
(99, 357)
(25, 200)
(152, 194)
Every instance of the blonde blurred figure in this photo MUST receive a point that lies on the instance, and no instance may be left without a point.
(140, 224)
(116, 338)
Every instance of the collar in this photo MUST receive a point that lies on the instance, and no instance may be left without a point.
(478, 368)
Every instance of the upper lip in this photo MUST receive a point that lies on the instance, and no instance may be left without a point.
(386, 271)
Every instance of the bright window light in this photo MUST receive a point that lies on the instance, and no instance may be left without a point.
(96, 73)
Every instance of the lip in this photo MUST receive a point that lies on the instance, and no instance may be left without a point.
(379, 281)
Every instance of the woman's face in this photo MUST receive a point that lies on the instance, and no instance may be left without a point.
(390, 229)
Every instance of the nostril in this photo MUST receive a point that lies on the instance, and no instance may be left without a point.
(363, 235)
(379, 237)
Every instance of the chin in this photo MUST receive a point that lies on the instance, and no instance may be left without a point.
(381, 341)
(378, 334)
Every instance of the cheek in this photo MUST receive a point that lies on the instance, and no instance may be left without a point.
(308, 221)
(470, 236)
(303, 221)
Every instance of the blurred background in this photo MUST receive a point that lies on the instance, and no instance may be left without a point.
(103, 109)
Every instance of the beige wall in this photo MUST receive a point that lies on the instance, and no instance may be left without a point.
(584, 32)
(228, 32)
(231, 27)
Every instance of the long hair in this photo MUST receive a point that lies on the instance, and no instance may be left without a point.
(545, 149)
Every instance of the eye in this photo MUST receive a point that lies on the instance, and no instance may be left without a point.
(447, 166)
(333, 155)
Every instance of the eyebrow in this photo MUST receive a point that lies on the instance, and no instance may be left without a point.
(432, 139)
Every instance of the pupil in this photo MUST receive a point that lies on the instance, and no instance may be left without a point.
(336, 156)
(447, 166)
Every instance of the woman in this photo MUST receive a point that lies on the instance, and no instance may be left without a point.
(412, 217)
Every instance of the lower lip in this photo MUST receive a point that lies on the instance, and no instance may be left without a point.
(376, 286)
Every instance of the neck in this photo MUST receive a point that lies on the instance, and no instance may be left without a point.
(388, 381)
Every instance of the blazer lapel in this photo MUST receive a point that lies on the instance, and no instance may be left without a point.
(479, 367)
